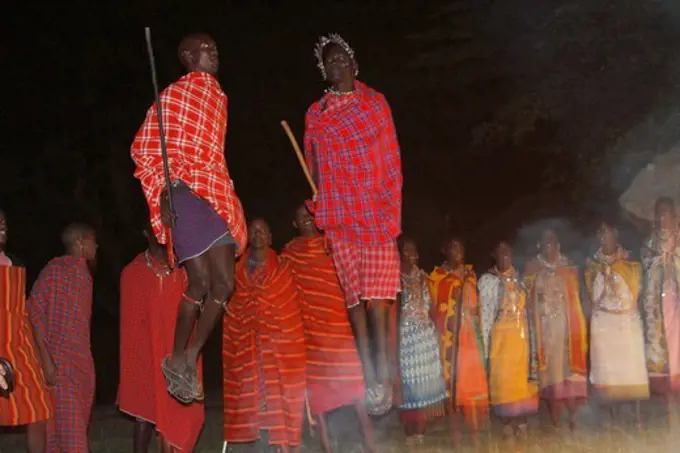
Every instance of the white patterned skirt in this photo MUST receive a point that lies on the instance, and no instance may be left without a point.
(420, 367)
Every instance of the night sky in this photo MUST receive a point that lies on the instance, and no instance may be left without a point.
(506, 112)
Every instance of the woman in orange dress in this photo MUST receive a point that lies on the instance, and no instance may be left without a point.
(455, 312)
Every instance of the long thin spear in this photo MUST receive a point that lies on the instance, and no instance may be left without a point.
(164, 150)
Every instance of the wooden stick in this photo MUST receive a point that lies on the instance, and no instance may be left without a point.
(301, 158)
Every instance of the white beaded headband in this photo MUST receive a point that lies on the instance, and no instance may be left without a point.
(335, 39)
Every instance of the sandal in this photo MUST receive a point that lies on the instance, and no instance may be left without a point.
(374, 395)
(523, 431)
(9, 377)
(178, 386)
(192, 376)
(381, 400)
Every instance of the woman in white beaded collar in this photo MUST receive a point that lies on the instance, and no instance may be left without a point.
(618, 372)
(552, 283)
(509, 343)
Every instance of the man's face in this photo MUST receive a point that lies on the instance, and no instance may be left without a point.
(337, 64)
(409, 254)
(455, 254)
(90, 247)
(200, 54)
(665, 216)
(259, 235)
(550, 244)
(607, 237)
(207, 56)
(304, 221)
(503, 256)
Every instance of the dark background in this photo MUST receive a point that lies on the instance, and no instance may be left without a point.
(508, 112)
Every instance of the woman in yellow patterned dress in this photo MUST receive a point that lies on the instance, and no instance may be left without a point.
(509, 344)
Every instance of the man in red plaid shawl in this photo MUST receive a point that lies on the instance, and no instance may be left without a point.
(60, 311)
(209, 228)
(351, 146)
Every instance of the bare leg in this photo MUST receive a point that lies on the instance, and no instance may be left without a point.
(671, 410)
(613, 415)
(221, 261)
(323, 426)
(36, 437)
(378, 314)
(638, 417)
(198, 273)
(522, 427)
(455, 421)
(555, 409)
(572, 408)
(166, 447)
(366, 426)
(357, 318)
(142, 436)
(421, 427)
(508, 428)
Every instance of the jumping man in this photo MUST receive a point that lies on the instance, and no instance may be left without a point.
(351, 146)
(209, 228)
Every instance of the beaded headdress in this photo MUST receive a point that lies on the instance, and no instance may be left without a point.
(335, 39)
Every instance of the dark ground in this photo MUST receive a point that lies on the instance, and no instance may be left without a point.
(112, 433)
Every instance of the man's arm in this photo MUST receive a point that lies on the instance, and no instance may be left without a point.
(393, 179)
(37, 307)
(148, 158)
(310, 153)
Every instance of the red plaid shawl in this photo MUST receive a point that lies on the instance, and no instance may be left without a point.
(351, 146)
(60, 308)
(195, 126)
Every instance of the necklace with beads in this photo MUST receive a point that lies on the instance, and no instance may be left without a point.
(160, 273)
(336, 92)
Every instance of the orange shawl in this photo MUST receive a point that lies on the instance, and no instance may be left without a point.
(578, 344)
(460, 340)
(30, 402)
(334, 373)
(269, 311)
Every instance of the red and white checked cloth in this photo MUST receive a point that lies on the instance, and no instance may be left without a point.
(195, 126)
(366, 272)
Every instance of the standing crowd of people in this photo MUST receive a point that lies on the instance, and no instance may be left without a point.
(343, 315)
